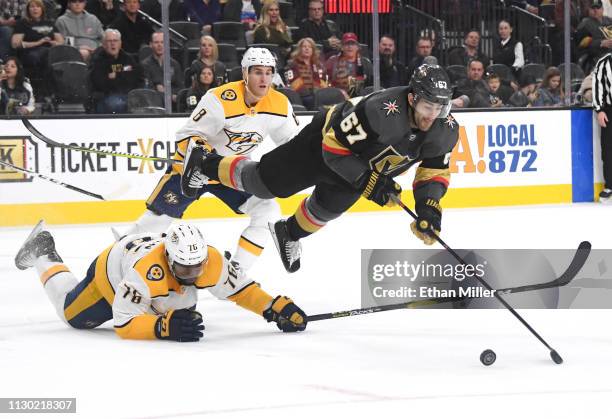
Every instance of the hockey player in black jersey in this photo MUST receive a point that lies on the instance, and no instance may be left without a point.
(353, 149)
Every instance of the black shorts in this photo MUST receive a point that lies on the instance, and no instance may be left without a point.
(298, 165)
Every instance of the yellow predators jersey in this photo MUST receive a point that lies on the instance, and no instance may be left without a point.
(231, 127)
(134, 277)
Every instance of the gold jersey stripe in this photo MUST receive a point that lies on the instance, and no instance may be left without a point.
(52, 271)
(253, 298)
(250, 247)
(101, 276)
(139, 327)
(86, 298)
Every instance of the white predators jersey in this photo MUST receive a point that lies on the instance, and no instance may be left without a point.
(231, 127)
(134, 275)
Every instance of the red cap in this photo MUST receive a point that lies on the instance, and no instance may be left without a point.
(349, 37)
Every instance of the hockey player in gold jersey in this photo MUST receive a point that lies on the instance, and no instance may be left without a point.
(148, 285)
(232, 119)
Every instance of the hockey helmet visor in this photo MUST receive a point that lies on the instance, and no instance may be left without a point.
(187, 274)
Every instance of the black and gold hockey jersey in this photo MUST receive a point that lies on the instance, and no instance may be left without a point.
(374, 133)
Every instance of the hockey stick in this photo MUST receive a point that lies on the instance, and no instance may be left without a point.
(553, 353)
(57, 182)
(578, 261)
(53, 143)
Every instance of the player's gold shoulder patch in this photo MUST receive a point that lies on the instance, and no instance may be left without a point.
(155, 273)
(229, 94)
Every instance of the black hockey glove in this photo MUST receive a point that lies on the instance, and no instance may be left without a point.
(192, 178)
(180, 325)
(379, 189)
(429, 217)
(287, 316)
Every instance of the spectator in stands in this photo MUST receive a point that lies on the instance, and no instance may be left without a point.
(208, 56)
(392, 71)
(34, 34)
(348, 70)
(105, 10)
(113, 73)
(321, 30)
(305, 74)
(3, 97)
(153, 67)
(585, 93)
(19, 94)
(470, 51)
(432, 35)
(525, 95)
(494, 85)
(201, 84)
(271, 28)
(503, 90)
(507, 50)
(550, 92)
(556, 32)
(205, 12)
(10, 12)
(245, 11)
(80, 28)
(153, 9)
(423, 49)
(135, 29)
(474, 87)
(592, 35)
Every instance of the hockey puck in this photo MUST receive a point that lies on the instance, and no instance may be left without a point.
(488, 357)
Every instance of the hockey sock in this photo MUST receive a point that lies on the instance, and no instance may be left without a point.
(304, 222)
(57, 280)
(248, 251)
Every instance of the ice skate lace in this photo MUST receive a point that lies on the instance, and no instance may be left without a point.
(197, 180)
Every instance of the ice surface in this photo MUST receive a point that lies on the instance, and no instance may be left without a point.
(405, 363)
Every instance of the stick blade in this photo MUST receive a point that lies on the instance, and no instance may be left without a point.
(554, 355)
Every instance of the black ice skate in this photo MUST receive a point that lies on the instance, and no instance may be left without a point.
(39, 243)
(605, 196)
(289, 251)
(193, 179)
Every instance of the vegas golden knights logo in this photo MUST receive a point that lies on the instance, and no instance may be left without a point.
(242, 142)
(19, 151)
(389, 161)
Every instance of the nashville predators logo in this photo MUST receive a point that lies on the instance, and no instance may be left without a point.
(171, 198)
(228, 94)
(242, 142)
(155, 273)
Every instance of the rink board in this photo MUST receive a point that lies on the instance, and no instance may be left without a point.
(501, 159)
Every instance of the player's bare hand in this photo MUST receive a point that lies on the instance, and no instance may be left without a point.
(602, 119)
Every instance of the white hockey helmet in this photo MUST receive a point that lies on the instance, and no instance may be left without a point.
(258, 56)
(186, 251)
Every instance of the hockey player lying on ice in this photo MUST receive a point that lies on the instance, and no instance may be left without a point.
(148, 285)
(353, 149)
